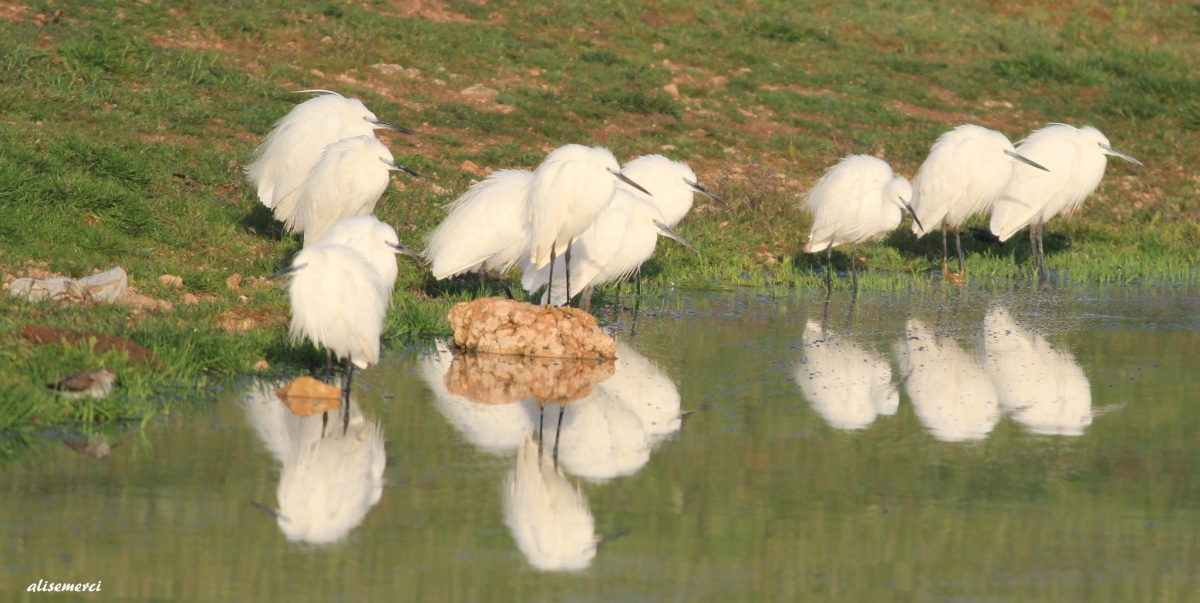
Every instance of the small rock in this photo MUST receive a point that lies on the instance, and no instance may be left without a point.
(261, 365)
(673, 90)
(394, 69)
(469, 166)
(480, 93)
(233, 283)
(496, 379)
(188, 299)
(497, 325)
(172, 281)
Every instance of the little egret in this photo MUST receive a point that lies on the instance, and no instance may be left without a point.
(570, 187)
(672, 182)
(294, 146)
(348, 181)
(674, 185)
(487, 228)
(375, 240)
(857, 199)
(621, 238)
(337, 303)
(1076, 158)
(965, 172)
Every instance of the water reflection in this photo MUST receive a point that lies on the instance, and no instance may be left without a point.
(952, 396)
(548, 515)
(327, 484)
(593, 420)
(1043, 389)
(845, 384)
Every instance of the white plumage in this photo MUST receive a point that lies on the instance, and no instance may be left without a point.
(570, 187)
(1041, 388)
(328, 482)
(950, 393)
(965, 172)
(673, 185)
(548, 517)
(375, 240)
(847, 385)
(487, 228)
(857, 199)
(293, 147)
(621, 238)
(348, 181)
(337, 302)
(1075, 158)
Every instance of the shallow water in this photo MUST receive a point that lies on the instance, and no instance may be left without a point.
(956, 445)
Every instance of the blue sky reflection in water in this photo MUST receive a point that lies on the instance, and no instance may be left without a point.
(1026, 445)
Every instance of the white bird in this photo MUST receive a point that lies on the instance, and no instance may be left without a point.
(570, 187)
(487, 228)
(348, 181)
(673, 184)
(1076, 158)
(327, 484)
(1042, 388)
(847, 385)
(293, 147)
(950, 393)
(965, 172)
(648, 391)
(548, 516)
(613, 247)
(375, 240)
(338, 304)
(856, 200)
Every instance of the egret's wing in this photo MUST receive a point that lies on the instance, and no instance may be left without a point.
(1032, 193)
(845, 201)
(546, 214)
(489, 224)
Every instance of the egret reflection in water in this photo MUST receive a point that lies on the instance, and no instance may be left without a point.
(1043, 389)
(327, 484)
(845, 384)
(950, 393)
(493, 428)
(547, 515)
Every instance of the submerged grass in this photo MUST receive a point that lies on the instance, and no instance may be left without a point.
(125, 129)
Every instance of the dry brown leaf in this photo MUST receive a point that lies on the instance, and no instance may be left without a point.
(307, 396)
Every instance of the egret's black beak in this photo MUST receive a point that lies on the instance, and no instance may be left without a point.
(703, 191)
(1025, 160)
(626, 180)
(290, 270)
(392, 165)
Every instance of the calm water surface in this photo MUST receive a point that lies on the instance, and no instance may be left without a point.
(946, 446)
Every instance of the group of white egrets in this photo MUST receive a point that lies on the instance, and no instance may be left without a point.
(321, 170)
(970, 170)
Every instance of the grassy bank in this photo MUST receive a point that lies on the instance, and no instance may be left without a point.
(124, 129)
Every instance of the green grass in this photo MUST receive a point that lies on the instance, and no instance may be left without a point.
(124, 130)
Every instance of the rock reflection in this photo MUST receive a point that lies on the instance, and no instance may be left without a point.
(845, 384)
(494, 428)
(950, 393)
(327, 484)
(548, 515)
(1043, 389)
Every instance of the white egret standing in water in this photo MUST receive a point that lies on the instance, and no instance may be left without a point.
(622, 237)
(571, 186)
(856, 200)
(1076, 158)
(293, 147)
(338, 303)
(348, 181)
(965, 172)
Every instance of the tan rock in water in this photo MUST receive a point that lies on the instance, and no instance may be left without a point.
(496, 325)
(496, 379)
(306, 397)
